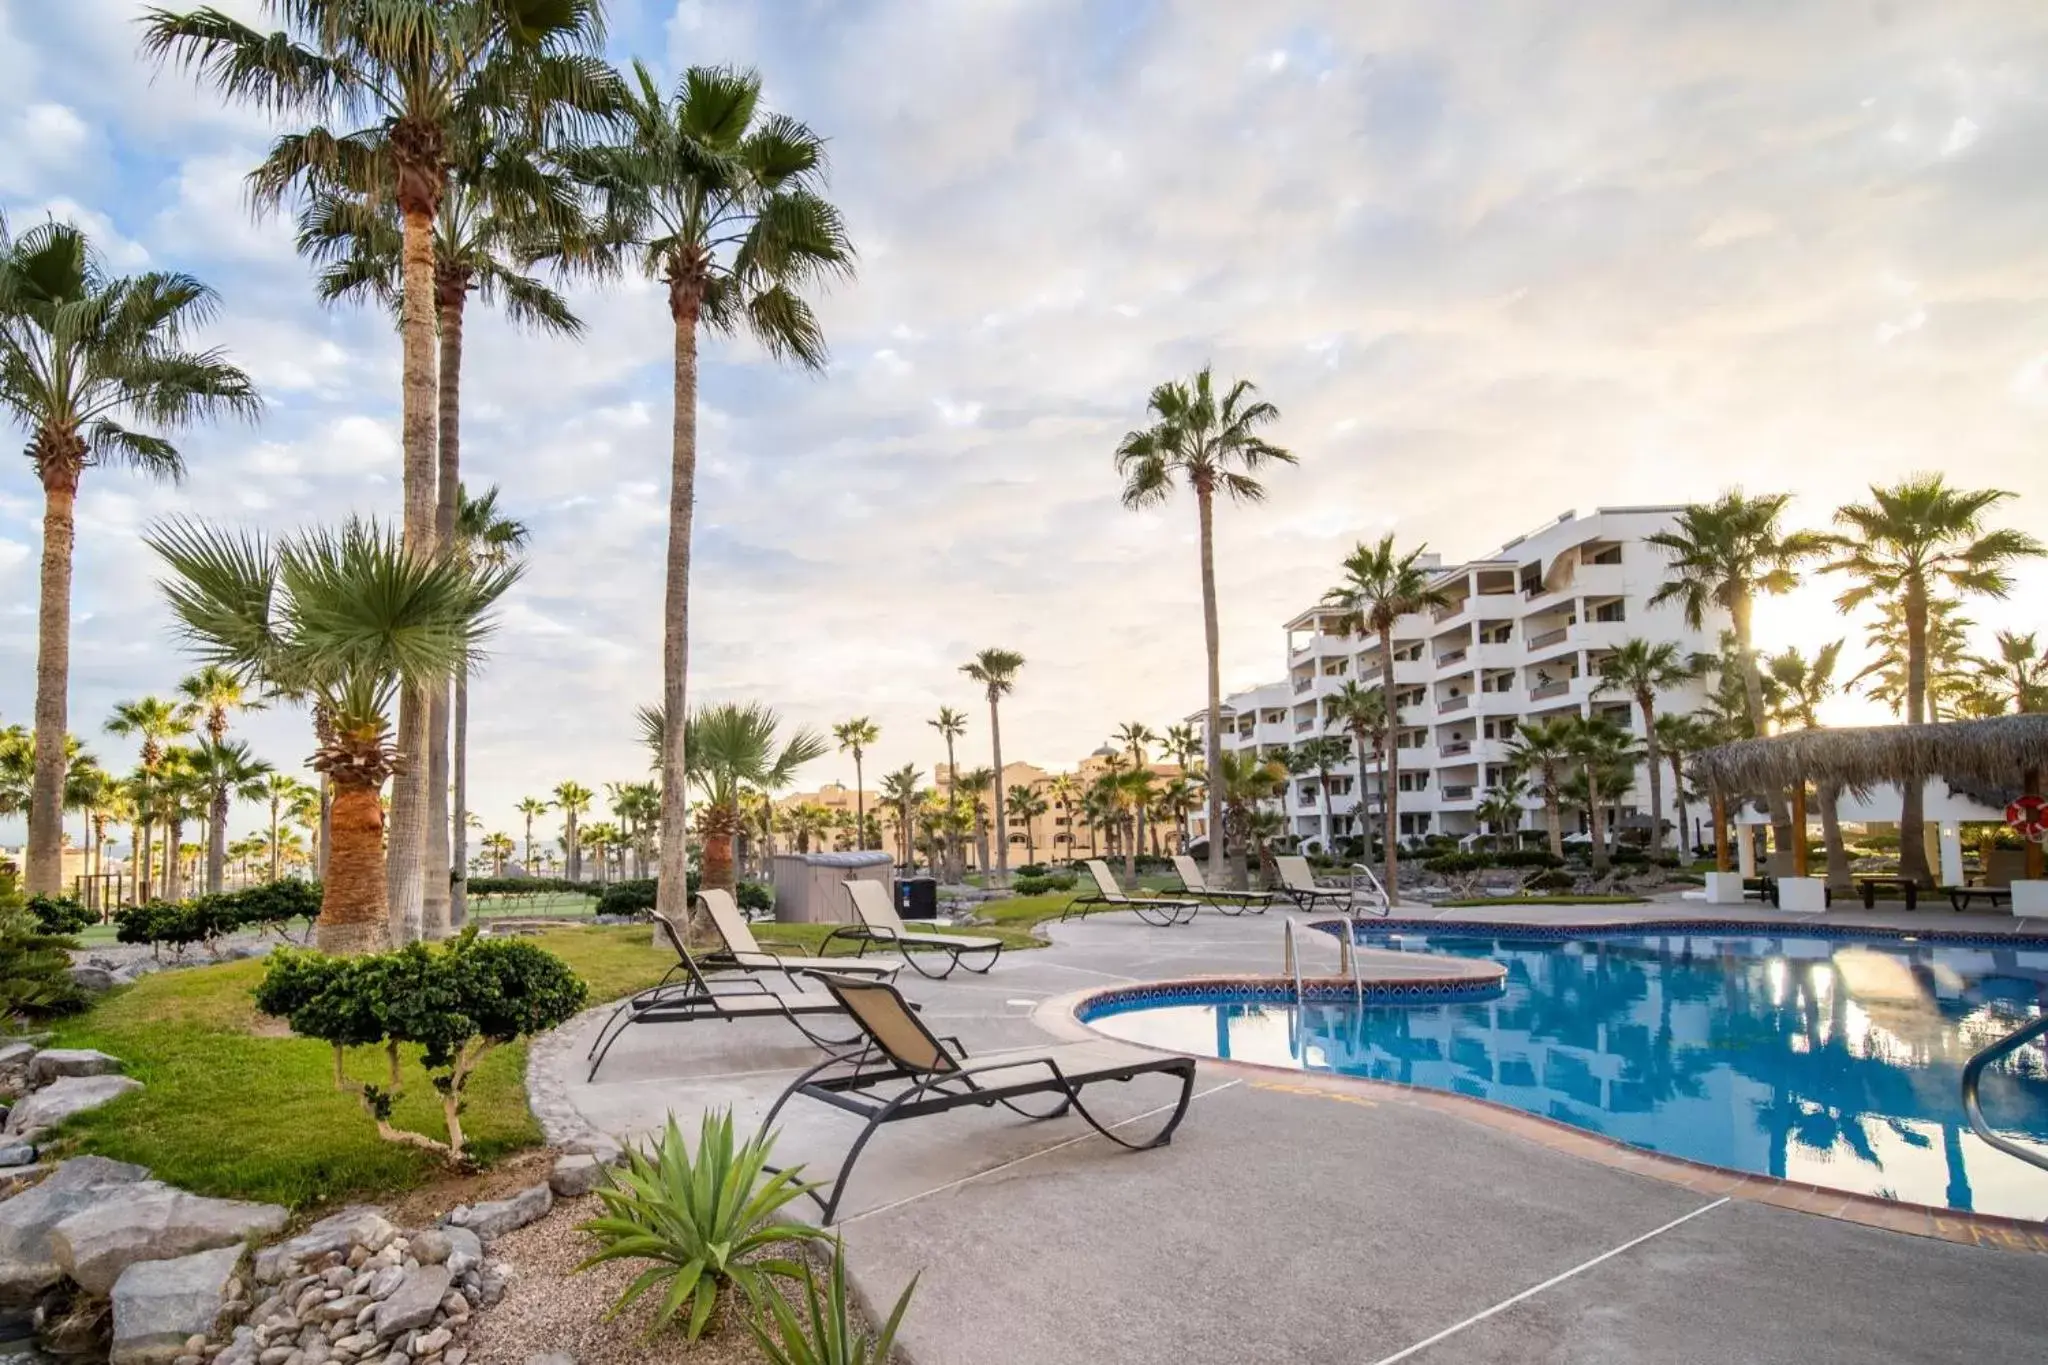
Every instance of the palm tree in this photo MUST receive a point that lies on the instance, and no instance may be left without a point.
(281, 792)
(1214, 447)
(227, 771)
(1803, 684)
(1540, 751)
(346, 619)
(900, 787)
(734, 748)
(1183, 745)
(719, 200)
(1501, 807)
(1606, 754)
(572, 799)
(1641, 669)
(211, 695)
(1679, 737)
(1886, 677)
(1381, 585)
(2016, 677)
(1245, 780)
(1723, 555)
(483, 535)
(951, 725)
(1065, 795)
(155, 720)
(976, 785)
(1177, 800)
(1910, 541)
(601, 838)
(996, 671)
(425, 75)
(179, 797)
(1026, 806)
(497, 846)
(529, 807)
(1135, 735)
(1362, 712)
(854, 737)
(1318, 756)
(82, 354)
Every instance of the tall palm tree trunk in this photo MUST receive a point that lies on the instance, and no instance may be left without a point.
(60, 458)
(273, 839)
(354, 916)
(458, 885)
(405, 873)
(860, 808)
(1596, 822)
(1212, 642)
(1648, 701)
(673, 897)
(217, 841)
(174, 836)
(443, 867)
(953, 872)
(1753, 701)
(145, 856)
(1677, 762)
(324, 833)
(1828, 796)
(1390, 776)
(995, 739)
(1912, 791)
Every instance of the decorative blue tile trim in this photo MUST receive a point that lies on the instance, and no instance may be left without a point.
(1274, 990)
(1366, 931)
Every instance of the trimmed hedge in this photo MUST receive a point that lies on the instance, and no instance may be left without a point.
(1038, 886)
(527, 886)
(61, 914)
(637, 896)
(204, 919)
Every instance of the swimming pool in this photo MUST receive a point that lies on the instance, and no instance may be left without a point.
(1831, 1060)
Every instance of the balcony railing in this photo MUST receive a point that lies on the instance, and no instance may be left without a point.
(1457, 793)
(1547, 638)
(1455, 656)
(1304, 684)
(1446, 613)
(1454, 704)
(1456, 750)
(1549, 690)
(1302, 727)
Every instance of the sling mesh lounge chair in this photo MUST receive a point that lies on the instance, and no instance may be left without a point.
(1225, 902)
(685, 994)
(1299, 885)
(878, 923)
(907, 1072)
(1159, 910)
(744, 951)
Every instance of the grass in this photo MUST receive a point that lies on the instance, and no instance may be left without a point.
(234, 1106)
(1472, 901)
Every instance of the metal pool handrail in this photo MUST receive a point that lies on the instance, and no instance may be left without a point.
(1347, 959)
(1290, 961)
(1974, 1071)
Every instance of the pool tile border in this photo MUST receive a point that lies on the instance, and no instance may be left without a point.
(1451, 988)
(1068, 1015)
(1635, 928)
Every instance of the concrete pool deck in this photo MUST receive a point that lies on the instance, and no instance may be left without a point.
(1306, 1218)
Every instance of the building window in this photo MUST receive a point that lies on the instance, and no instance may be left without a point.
(1609, 611)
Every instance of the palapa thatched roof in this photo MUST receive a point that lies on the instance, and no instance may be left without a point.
(1991, 756)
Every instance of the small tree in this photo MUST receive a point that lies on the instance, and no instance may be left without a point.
(456, 1001)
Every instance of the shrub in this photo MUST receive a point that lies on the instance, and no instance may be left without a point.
(702, 1218)
(1450, 864)
(629, 898)
(1527, 857)
(1030, 886)
(60, 914)
(1060, 881)
(208, 919)
(755, 897)
(1554, 880)
(456, 1001)
(525, 886)
(1629, 853)
(1029, 870)
(832, 1335)
(35, 969)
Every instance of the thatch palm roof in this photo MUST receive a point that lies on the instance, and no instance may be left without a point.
(1992, 756)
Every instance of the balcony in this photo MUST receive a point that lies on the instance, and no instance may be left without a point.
(1455, 656)
(1548, 638)
(1450, 704)
(1459, 793)
(1549, 690)
(1304, 684)
(1304, 725)
(1443, 614)
(1457, 750)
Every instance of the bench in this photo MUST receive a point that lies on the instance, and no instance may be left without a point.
(1867, 883)
(1960, 898)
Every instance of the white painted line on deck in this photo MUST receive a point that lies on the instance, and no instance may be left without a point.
(1553, 1281)
(1018, 1161)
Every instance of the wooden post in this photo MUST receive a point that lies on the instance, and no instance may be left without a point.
(1720, 830)
(2034, 850)
(1799, 828)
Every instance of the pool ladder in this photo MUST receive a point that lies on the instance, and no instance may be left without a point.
(1974, 1072)
(1347, 960)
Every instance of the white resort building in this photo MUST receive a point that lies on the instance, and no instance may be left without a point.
(1521, 640)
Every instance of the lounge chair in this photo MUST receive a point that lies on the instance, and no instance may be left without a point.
(685, 994)
(744, 952)
(907, 1072)
(1225, 902)
(1159, 910)
(1298, 883)
(878, 923)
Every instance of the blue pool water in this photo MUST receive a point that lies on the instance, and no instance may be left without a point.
(1823, 1060)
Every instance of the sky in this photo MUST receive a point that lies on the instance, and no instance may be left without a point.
(1491, 262)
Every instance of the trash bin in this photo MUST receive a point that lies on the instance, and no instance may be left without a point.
(917, 898)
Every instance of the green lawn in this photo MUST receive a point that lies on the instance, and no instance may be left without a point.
(234, 1106)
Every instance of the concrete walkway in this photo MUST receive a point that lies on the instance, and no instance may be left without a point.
(1298, 1219)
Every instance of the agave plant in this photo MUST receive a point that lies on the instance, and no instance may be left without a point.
(832, 1336)
(702, 1219)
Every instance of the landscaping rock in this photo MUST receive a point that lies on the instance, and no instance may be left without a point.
(465, 1250)
(575, 1175)
(385, 1282)
(415, 1301)
(28, 1258)
(364, 1227)
(57, 1062)
(92, 978)
(430, 1247)
(151, 1223)
(17, 1154)
(159, 1306)
(500, 1216)
(14, 1179)
(607, 1151)
(61, 1099)
(15, 1055)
